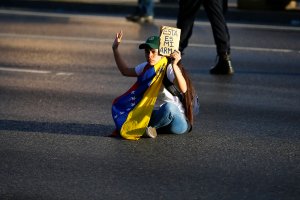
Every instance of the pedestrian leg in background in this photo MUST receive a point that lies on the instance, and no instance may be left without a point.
(144, 12)
(215, 10)
(292, 5)
(185, 20)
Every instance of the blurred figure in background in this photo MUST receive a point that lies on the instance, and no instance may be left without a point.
(292, 5)
(144, 12)
(215, 10)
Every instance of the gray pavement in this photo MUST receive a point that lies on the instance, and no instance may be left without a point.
(58, 79)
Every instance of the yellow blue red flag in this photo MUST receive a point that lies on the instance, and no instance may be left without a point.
(132, 110)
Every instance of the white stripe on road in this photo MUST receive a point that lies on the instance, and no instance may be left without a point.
(24, 70)
(247, 48)
(64, 74)
(33, 71)
(103, 40)
(159, 21)
(51, 37)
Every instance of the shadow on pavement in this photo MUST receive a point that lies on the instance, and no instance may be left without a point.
(57, 128)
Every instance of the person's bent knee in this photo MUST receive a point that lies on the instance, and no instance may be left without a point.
(178, 130)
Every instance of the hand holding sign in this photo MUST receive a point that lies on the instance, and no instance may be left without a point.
(169, 40)
(176, 57)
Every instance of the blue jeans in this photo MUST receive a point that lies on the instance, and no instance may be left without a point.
(145, 7)
(170, 118)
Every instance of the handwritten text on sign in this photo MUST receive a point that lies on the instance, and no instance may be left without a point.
(169, 40)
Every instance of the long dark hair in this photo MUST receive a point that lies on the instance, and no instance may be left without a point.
(189, 95)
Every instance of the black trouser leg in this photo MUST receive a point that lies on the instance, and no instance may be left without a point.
(185, 20)
(215, 12)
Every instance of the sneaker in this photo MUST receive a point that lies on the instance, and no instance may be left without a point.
(146, 19)
(150, 132)
(140, 19)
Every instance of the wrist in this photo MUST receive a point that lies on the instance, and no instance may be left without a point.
(175, 66)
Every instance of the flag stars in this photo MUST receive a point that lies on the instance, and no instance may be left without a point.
(133, 98)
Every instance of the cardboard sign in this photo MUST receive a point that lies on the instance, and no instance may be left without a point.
(169, 40)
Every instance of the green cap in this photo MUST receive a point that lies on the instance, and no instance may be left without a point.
(151, 43)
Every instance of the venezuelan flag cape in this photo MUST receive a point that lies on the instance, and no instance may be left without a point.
(132, 110)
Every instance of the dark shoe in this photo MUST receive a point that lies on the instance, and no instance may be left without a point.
(223, 67)
(133, 18)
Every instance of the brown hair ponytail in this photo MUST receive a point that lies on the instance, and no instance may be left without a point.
(189, 95)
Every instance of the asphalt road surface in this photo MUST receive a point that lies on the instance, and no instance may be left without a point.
(58, 79)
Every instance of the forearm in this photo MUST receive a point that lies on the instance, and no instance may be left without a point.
(121, 64)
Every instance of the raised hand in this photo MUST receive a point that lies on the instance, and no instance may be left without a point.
(118, 39)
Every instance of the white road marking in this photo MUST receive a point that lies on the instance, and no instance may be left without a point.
(105, 40)
(64, 74)
(158, 21)
(248, 48)
(33, 71)
(24, 70)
